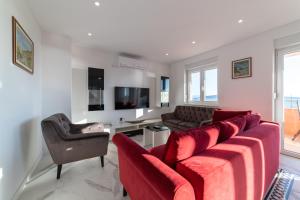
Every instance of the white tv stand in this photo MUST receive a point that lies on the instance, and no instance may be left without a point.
(118, 127)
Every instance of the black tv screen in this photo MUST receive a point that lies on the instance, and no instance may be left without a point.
(131, 98)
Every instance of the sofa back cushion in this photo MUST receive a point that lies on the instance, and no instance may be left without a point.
(193, 113)
(230, 127)
(220, 115)
(252, 121)
(182, 145)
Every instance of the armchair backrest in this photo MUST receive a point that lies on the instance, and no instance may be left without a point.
(55, 128)
(60, 122)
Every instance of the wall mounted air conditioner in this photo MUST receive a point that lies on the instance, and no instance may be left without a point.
(131, 63)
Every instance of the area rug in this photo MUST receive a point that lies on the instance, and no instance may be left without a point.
(282, 186)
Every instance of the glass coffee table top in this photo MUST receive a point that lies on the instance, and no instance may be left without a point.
(157, 127)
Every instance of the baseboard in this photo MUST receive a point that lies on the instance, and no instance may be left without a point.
(26, 179)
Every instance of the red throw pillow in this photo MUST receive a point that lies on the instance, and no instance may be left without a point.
(252, 121)
(220, 115)
(231, 127)
(182, 145)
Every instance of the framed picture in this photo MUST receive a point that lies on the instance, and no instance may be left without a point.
(242, 68)
(23, 47)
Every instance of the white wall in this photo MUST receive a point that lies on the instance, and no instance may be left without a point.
(83, 58)
(57, 75)
(254, 93)
(20, 102)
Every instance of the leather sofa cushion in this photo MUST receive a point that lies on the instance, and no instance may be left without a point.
(220, 115)
(231, 127)
(173, 121)
(182, 145)
(189, 124)
(193, 113)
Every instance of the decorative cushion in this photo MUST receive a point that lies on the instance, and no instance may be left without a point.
(230, 127)
(252, 121)
(158, 151)
(220, 115)
(182, 145)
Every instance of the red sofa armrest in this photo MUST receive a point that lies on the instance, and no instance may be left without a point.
(146, 177)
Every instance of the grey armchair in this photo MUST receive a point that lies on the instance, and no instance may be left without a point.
(69, 142)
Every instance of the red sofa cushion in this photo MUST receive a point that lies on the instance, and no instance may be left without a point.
(240, 168)
(146, 177)
(220, 115)
(182, 145)
(231, 127)
(158, 151)
(252, 121)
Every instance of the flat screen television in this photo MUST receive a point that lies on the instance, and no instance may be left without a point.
(131, 98)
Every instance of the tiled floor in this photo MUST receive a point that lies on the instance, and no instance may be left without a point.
(86, 180)
(82, 180)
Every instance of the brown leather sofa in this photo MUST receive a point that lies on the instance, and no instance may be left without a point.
(69, 142)
(186, 117)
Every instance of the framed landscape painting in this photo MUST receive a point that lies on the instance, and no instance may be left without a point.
(23, 47)
(242, 68)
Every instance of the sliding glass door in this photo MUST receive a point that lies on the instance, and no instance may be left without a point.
(288, 99)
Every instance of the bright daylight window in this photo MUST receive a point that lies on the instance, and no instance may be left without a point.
(202, 85)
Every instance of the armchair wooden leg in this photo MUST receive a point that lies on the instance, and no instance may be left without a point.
(124, 192)
(59, 167)
(102, 161)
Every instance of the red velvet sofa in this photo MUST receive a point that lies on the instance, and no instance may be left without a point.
(239, 167)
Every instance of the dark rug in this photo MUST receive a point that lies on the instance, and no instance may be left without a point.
(281, 187)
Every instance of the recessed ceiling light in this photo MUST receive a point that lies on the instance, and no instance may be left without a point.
(194, 42)
(90, 34)
(97, 3)
(240, 21)
(166, 54)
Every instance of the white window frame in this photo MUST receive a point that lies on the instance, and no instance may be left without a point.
(202, 70)
(278, 94)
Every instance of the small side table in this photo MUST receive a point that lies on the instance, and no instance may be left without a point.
(155, 135)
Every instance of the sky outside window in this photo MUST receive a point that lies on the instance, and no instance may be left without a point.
(211, 85)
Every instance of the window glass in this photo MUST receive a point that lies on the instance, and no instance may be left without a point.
(211, 85)
(194, 87)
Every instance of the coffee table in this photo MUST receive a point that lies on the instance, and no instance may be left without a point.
(155, 135)
(118, 127)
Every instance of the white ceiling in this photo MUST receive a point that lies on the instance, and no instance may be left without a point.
(152, 28)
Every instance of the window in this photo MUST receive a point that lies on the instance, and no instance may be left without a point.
(211, 85)
(202, 85)
(164, 91)
(195, 86)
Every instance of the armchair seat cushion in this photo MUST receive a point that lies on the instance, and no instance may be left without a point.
(86, 128)
(80, 136)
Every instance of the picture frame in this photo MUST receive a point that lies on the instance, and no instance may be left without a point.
(242, 68)
(22, 47)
